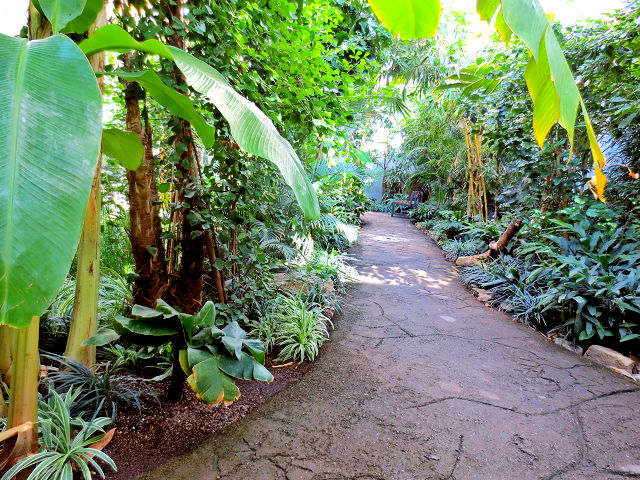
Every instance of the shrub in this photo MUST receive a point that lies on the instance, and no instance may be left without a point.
(592, 278)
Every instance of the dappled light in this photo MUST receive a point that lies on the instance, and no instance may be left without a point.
(395, 276)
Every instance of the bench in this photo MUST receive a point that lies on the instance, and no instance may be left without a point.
(414, 199)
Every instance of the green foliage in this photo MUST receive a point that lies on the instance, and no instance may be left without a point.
(61, 12)
(114, 298)
(51, 124)
(66, 443)
(591, 276)
(459, 247)
(212, 357)
(250, 127)
(97, 392)
(175, 102)
(409, 18)
(122, 146)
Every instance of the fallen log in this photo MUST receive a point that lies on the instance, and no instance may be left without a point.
(494, 246)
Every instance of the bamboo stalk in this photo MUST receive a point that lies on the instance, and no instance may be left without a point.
(467, 141)
(483, 183)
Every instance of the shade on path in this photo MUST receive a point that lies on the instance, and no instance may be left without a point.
(422, 381)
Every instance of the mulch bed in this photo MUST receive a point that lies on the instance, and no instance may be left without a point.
(144, 442)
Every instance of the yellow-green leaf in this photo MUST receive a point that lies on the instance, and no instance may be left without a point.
(487, 9)
(408, 19)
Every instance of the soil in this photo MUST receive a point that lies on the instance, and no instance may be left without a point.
(146, 441)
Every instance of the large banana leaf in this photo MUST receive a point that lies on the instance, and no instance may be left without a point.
(61, 12)
(50, 130)
(178, 104)
(250, 127)
(81, 23)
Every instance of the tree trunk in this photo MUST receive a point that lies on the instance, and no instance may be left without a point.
(145, 231)
(186, 286)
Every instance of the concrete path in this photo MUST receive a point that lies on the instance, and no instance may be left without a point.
(421, 381)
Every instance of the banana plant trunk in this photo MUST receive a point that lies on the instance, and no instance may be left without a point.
(84, 320)
(23, 395)
(5, 355)
(24, 384)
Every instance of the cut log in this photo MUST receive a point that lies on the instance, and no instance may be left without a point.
(494, 247)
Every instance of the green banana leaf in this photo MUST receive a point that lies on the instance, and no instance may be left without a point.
(250, 127)
(51, 125)
(178, 104)
(61, 12)
(408, 18)
(125, 147)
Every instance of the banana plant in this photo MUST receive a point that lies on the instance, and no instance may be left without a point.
(551, 85)
(211, 357)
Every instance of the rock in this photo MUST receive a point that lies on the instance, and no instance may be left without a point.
(610, 358)
(564, 343)
(484, 295)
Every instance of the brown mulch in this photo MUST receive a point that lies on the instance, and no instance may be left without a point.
(144, 442)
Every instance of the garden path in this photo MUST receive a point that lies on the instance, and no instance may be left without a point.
(422, 381)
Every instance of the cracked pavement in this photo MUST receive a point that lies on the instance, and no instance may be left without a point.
(422, 381)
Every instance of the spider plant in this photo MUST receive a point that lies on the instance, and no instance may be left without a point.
(67, 443)
(302, 329)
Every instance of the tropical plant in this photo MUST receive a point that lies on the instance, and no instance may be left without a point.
(68, 443)
(551, 84)
(301, 330)
(98, 392)
(72, 130)
(211, 357)
(592, 277)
